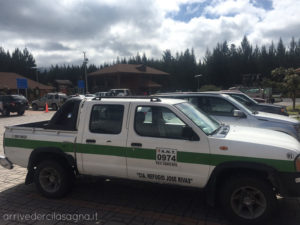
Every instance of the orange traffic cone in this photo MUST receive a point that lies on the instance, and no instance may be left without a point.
(46, 109)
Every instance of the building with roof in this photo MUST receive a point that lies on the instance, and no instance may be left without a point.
(63, 85)
(138, 78)
(8, 85)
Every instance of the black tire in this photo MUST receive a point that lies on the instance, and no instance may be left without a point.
(35, 107)
(248, 200)
(54, 107)
(6, 112)
(52, 179)
(21, 112)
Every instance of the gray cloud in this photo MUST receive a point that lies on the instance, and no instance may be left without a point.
(57, 31)
(286, 33)
(48, 46)
(83, 19)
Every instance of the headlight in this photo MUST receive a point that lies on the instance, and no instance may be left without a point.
(297, 163)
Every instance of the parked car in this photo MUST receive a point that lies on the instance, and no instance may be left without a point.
(119, 92)
(54, 101)
(76, 96)
(13, 103)
(254, 105)
(90, 95)
(166, 141)
(102, 94)
(227, 110)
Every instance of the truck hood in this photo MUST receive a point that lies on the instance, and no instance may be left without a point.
(255, 144)
(271, 105)
(275, 118)
(263, 137)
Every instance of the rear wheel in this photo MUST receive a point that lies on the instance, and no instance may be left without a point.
(54, 106)
(34, 107)
(52, 179)
(248, 200)
(21, 112)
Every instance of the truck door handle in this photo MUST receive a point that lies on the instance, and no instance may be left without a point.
(90, 141)
(136, 144)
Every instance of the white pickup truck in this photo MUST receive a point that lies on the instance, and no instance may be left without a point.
(158, 140)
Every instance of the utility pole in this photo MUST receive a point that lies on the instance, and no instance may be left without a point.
(198, 77)
(36, 73)
(85, 61)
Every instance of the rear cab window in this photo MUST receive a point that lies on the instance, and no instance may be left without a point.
(106, 119)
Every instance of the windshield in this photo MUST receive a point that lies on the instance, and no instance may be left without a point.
(240, 105)
(203, 121)
(244, 99)
(18, 97)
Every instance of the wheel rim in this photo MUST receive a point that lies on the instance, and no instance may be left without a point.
(248, 202)
(50, 179)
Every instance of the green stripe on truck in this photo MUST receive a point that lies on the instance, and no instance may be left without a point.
(150, 154)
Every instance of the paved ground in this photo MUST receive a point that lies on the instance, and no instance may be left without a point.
(109, 202)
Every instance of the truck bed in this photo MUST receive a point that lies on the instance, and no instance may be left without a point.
(41, 124)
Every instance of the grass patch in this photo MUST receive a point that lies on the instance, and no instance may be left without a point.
(295, 112)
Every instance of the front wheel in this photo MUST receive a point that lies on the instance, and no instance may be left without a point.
(6, 112)
(248, 200)
(52, 179)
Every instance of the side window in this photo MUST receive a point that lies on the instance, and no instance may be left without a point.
(242, 99)
(153, 121)
(106, 119)
(220, 107)
(202, 103)
(6, 98)
(56, 96)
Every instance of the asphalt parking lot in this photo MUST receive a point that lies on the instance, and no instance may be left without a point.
(111, 202)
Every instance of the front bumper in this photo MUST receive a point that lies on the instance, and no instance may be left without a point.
(5, 162)
(289, 184)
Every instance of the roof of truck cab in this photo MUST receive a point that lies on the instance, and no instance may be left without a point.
(160, 95)
(132, 99)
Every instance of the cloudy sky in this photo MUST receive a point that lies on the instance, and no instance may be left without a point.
(58, 31)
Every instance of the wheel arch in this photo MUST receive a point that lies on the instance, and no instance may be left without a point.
(225, 170)
(43, 153)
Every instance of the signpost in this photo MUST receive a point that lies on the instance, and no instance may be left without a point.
(22, 84)
(81, 84)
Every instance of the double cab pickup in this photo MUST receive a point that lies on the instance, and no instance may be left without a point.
(167, 141)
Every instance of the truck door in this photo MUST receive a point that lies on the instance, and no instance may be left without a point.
(103, 144)
(157, 151)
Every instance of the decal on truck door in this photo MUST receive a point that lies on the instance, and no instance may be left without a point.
(164, 178)
(166, 157)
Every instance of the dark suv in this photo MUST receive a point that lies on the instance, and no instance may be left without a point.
(13, 103)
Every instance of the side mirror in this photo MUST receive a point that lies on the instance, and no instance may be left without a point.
(189, 134)
(238, 113)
